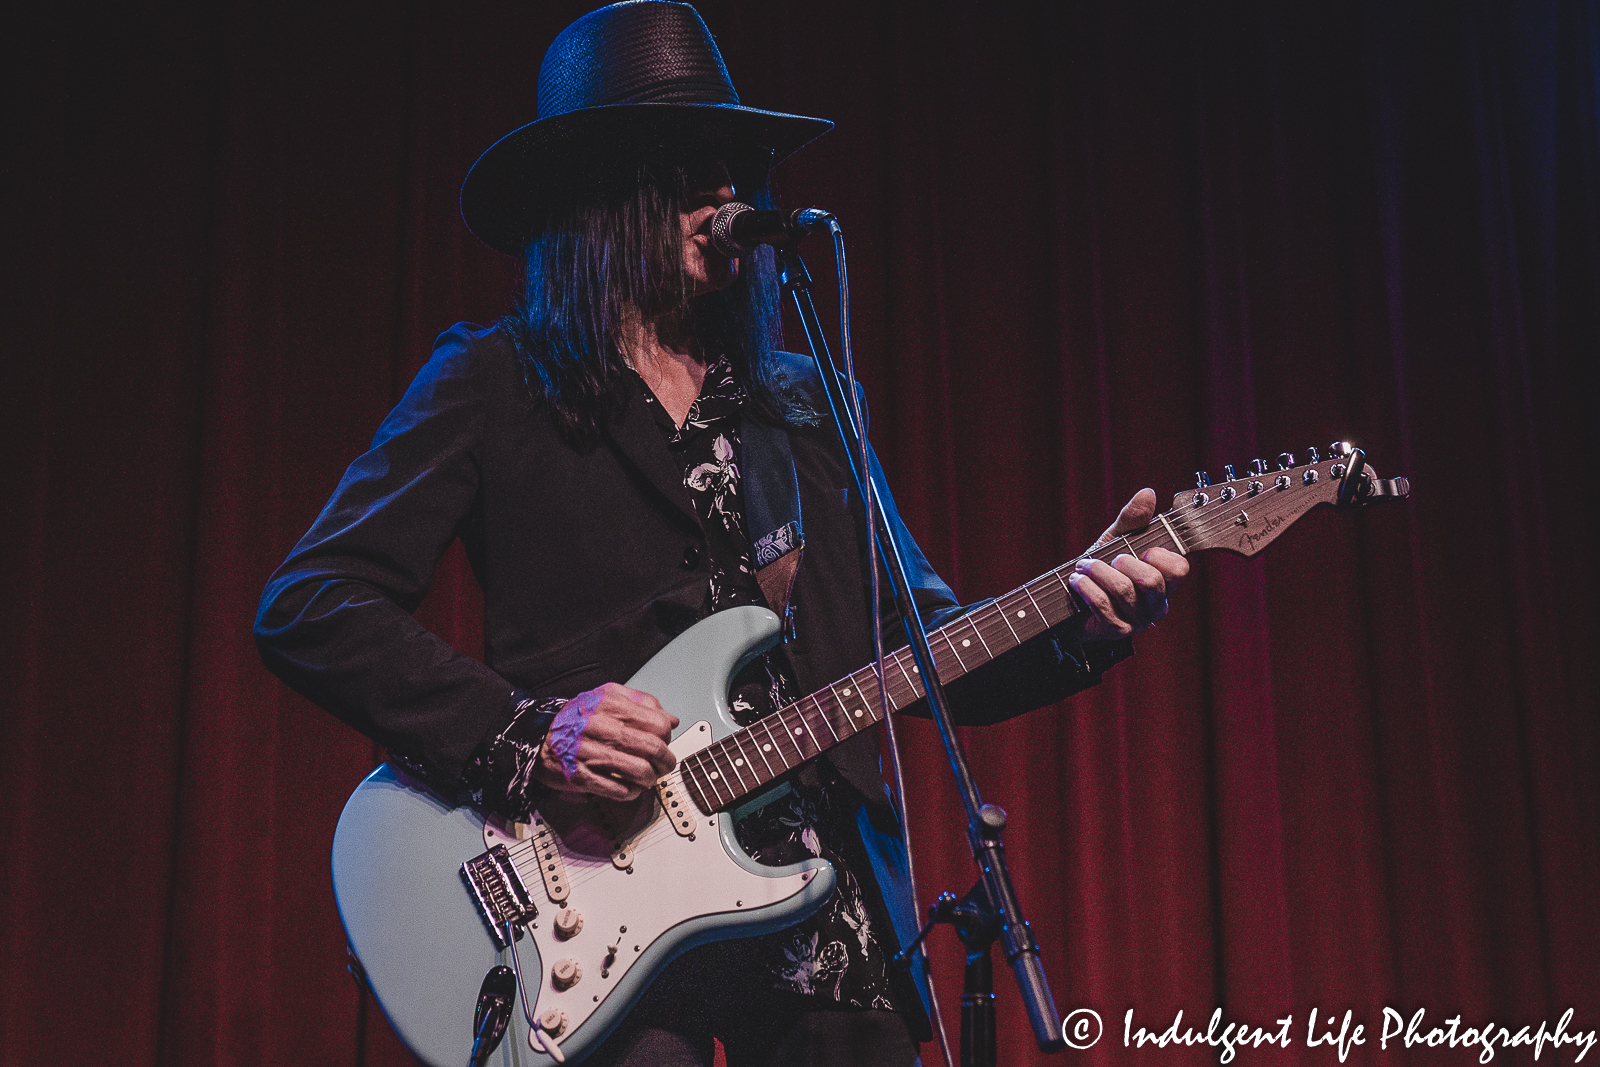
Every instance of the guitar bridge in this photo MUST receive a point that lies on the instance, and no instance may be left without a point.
(498, 889)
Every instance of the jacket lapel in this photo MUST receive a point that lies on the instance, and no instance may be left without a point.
(636, 437)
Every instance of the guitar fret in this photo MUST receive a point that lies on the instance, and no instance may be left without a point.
(800, 712)
(844, 705)
(805, 720)
(718, 776)
(741, 759)
(706, 778)
(1000, 609)
(1044, 620)
(761, 751)
(911, 683)
(869, 693)
(973, 624)
(777, 749)
(827, 720)
(857, 709)
(783, 729)
(953, 651)
(1000, 635)
(875, 708)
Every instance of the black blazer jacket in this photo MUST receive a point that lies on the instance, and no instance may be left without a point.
(590, 561)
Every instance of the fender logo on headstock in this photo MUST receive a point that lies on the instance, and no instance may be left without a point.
(1249, 541)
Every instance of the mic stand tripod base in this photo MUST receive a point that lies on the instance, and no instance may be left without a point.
(978, 926)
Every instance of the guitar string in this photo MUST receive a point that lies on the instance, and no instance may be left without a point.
(1149, 537)
(661, 830)
(723, 748)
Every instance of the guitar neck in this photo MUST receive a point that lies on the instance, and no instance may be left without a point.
(721, 774)
(1241, 516)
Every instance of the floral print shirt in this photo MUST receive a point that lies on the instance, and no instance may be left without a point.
(835, 954)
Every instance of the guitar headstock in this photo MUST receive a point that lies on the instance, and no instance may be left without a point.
(1244, 515)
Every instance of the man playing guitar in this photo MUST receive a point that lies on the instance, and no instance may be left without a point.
(597, 451)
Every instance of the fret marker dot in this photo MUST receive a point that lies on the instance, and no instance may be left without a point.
(738, 763)
(858, 713)
(965, 643)
(797, 732)
(714, 776)
(1020, 614)
(915, 670)
(766, 748)
(847, 692)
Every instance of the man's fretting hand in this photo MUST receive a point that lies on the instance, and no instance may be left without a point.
(610, 741)
(1128, 595)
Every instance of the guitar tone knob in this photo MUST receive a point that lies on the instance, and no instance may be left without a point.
(553, 1021)
(568, 922)
(565, 973)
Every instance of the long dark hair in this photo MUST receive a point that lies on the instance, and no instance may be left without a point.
(611, 248)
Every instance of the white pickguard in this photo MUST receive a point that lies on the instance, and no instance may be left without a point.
(671, 880)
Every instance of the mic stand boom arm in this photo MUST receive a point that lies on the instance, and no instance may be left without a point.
(984, 821)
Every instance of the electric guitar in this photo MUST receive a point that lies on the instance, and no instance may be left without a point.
(594, 898)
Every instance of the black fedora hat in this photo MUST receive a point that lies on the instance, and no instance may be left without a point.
(616, 82)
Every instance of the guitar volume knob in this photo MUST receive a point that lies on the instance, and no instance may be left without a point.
(568, 922)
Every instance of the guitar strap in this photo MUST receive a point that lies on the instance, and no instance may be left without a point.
(772, 514)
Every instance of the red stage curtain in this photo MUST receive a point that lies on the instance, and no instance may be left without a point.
(1095, 246)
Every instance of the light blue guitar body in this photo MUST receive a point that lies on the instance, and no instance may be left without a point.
(646, 890)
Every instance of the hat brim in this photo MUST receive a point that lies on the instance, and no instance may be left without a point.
(506, 192)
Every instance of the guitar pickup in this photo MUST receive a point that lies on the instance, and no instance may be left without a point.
(498, 889)
(675, 802)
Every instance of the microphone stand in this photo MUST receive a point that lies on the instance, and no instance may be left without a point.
(984, 821)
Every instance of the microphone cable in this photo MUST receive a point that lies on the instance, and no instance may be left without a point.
(888, 713)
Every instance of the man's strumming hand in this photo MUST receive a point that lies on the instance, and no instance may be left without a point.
(610, 741)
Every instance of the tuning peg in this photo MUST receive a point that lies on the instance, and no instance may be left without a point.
(1285, 460)
(1316, 457)
(1340, 448)
(1258, 467)
(1201, 479)
(1227, 472)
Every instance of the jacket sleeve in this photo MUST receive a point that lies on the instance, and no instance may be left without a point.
(335, 620)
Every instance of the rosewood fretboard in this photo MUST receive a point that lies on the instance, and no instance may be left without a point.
(728, 770)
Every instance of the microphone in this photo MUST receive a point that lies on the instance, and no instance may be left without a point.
(738, 229)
